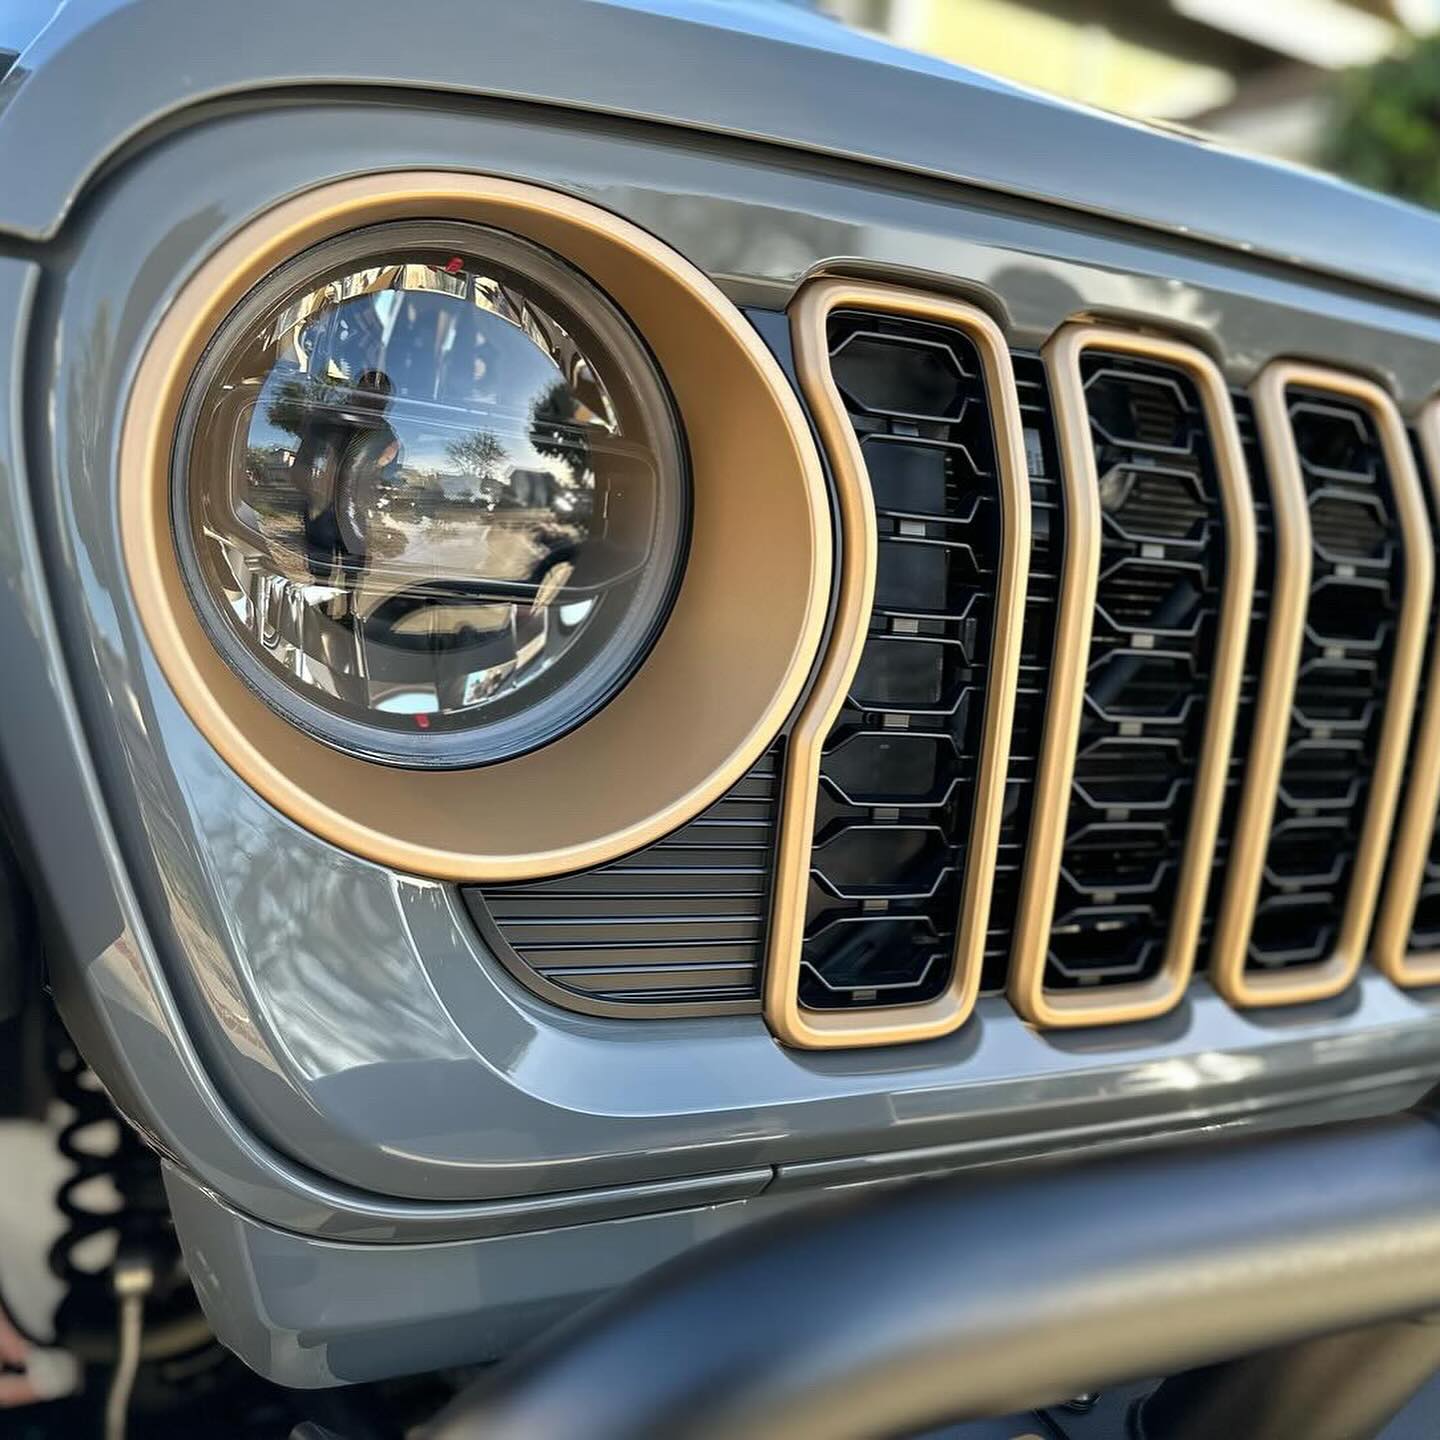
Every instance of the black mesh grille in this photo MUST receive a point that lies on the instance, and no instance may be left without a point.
(898, 771)
(680, 922)
(1343, 679)
(1161, 566)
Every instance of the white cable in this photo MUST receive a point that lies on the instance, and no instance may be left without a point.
(132, 1281)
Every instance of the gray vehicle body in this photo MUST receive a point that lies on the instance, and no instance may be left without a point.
(382, 1152)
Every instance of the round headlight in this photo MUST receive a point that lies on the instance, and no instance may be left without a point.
(430, 494)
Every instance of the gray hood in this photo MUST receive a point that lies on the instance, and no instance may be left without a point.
(103, 71)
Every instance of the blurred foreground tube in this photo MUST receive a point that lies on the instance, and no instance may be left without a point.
(958, 1298)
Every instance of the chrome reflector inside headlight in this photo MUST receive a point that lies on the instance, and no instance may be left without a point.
(430, 494)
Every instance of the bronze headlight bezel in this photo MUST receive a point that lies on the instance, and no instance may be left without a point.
(724, 672)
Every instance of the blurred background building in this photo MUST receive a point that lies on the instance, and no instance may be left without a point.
(1263, 74)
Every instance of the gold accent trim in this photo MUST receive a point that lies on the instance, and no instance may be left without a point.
(1289, 605)
(722, 676)
(1078, 586)
(790, 1021)
(1416, 827)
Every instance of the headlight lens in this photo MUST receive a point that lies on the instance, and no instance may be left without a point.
(430, 494)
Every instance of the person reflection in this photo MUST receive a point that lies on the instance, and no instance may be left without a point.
(346, 455)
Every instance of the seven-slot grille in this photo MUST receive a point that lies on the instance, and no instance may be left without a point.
(681, 926)
(897, 774)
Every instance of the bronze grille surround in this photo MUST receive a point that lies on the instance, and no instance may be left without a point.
(1038, 1002)
(1291, 598)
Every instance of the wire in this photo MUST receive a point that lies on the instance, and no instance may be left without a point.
(133, 1279)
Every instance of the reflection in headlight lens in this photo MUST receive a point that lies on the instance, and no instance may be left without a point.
(430, 494)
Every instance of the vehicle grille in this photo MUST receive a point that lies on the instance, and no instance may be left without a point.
(1174, 722)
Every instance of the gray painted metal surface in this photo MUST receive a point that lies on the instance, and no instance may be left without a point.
(323, 1047)
(62, 112)
(347, 1016)
(314, 1313)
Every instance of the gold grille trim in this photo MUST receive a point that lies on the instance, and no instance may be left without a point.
(791, 1022)
(1035, 1001)
(1291, 595)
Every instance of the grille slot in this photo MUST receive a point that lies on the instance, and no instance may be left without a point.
(895, 770)
(1161, 562)
(674, 928)
(1351, 574)
(899, 766)
(1154, 604)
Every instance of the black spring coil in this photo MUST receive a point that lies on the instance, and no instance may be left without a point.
(102, 1147)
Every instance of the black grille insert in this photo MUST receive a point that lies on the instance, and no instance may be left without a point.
(1342, 682)
(1148, 673)
(897, 777)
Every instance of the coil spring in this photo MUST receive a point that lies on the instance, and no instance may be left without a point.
(132, 1210)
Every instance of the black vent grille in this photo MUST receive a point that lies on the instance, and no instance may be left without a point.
(680, 923)
(898, 772)
(1157, 604)
(1036, 644)
(1343, 679)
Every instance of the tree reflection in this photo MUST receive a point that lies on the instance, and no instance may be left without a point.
(479, 454)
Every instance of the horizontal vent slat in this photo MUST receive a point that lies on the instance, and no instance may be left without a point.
(679, 922)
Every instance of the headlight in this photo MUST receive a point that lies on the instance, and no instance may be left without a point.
(430, 495)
